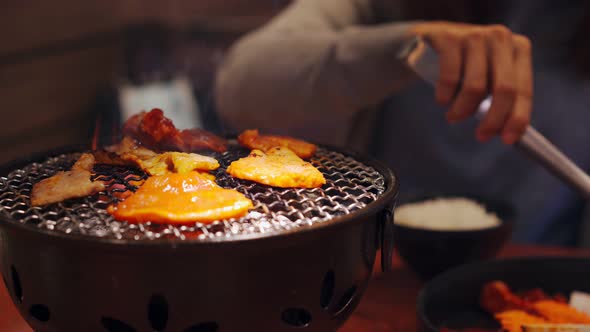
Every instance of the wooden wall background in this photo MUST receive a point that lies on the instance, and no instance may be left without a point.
(55, 56)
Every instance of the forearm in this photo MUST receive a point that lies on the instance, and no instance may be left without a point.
(295, 75)
(317, 58)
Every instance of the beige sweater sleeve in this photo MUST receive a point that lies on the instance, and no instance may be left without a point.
(309, 70)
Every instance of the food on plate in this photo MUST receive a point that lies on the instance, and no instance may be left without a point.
(156, 132)
(518, 318)
(497, 297)
(279, 167)
(67, 184)
(560, 313)
(580, 301)
(513, 320)
(181, 198)
(468, 329)
(548, 327)
(446, 214)
(129, 151)
(537, 294)
(253, 140)
(533, 309)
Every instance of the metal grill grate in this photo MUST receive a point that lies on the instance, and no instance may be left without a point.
(350, 186)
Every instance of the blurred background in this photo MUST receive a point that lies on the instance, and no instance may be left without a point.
(69, 69)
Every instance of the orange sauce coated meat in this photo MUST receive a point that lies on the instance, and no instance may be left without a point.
(513, 320)
(280, 167)
(560, 313)
(181, 198)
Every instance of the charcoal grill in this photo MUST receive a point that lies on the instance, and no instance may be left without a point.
(300, 260)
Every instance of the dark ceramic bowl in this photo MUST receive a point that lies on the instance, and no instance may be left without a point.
(430, 252)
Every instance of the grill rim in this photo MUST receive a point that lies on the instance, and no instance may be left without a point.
(383, 202)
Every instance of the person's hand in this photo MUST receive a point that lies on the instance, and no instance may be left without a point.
(476, 60)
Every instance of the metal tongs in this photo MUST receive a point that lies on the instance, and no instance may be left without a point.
(423, 60)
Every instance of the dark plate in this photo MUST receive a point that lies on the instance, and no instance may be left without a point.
(451, 299)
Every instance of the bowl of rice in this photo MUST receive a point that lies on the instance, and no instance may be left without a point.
(433, 234)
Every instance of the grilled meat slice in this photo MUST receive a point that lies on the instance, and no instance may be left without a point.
(130, 152)
(280, 167)
(253, 140)
(177, 162)
(69, 184)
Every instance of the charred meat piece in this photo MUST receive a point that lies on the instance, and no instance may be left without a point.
(156, 132)
(181, 198)
(69, 184)
(200, 139)
(280, 167)
(253, 140)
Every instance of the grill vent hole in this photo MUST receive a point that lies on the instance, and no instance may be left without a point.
(204, 327)
(345, 300)
(158, 312)
(16, 285)
(40, 312)
(327, 291)
(114, 325)
(296, 317)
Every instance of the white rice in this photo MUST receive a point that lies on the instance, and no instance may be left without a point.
(446, 214)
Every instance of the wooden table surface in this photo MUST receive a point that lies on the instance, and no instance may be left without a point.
(387, 306)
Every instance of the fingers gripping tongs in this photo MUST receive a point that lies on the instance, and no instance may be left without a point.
(423, 60)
